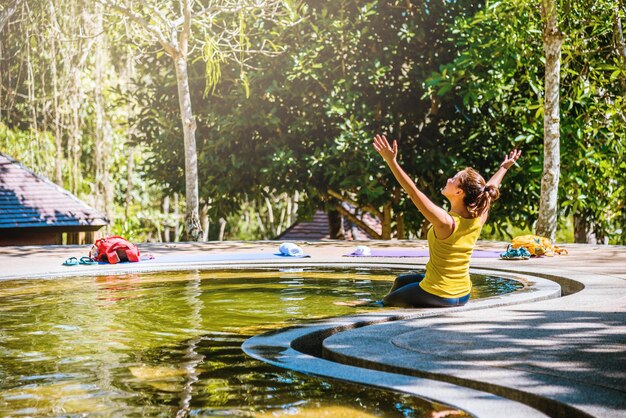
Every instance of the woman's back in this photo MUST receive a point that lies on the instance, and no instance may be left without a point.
(447, 271)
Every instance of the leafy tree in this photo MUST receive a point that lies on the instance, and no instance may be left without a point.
(310, 119)
(59, 107)
(552, 41)
(594, 85)
(457, 83)
(222, 35)
(498, 76)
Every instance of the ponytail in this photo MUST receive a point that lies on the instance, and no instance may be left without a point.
(478, 195)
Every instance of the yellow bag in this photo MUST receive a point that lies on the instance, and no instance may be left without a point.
(537, 245)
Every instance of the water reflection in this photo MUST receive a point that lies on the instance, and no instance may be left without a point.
(114, 288)
(169, 344)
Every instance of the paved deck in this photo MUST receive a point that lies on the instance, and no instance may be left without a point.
(569, 351)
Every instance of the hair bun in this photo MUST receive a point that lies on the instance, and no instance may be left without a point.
(493, 191)
(478, 195)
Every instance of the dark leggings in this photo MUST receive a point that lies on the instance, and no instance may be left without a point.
(407, 293)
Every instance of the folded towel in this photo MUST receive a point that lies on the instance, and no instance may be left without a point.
(290, 249)
(362, 250)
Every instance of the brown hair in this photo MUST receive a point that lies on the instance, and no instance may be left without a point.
(478, 196)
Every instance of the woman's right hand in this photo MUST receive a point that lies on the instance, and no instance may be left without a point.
(388, 152)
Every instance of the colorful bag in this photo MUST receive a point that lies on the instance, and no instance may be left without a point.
(537, 246)
(113, 250)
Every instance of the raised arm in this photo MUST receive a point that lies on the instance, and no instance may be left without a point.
(509, 160)
(496, 179)
(441, 220)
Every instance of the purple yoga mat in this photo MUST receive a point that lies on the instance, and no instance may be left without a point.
(420, 253)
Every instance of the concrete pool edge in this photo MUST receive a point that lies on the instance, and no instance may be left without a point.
(436, 391)
(299, 348)
(599, 269)
(570, 348)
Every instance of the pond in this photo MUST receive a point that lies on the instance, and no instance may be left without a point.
(168, 344)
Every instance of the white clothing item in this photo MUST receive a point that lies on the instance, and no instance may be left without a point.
(362, 250)
(290, 249)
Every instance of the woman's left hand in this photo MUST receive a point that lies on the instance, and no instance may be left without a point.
(510, 159)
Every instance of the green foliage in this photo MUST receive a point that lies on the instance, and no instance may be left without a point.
(34, 150)
(456, 83)
(263, 218)
(594, 84)
(498, 77)
(213, 59)
(311, 113)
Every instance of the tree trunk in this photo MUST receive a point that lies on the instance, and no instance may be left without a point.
(166, 217)
(58, 176)
(206, 222)
(130, 168)
(587, 232)
(106, 181)
(75, 131)
(126, 78)
(281, 227)
(552, 40)
(193, 230)
(261, 226)
(386, 222)
(270, 217)
(73, 66)
(358, 222)
(102, 133)
(583, 230)
(424, 229)
(400, 233)
(34, 128)
(6, 14)
(335, 225)
(176, 217)
(294, 207)
(100, 154)
(288, 221)
(620, 44)
(222, 229)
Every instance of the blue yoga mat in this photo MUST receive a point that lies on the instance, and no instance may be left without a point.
(419, 253)
(199, 258)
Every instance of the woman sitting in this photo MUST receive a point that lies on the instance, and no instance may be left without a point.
(452, 236)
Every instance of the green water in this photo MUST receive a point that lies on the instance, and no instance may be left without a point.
(167, 344)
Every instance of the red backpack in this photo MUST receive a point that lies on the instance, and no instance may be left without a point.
(113, 250)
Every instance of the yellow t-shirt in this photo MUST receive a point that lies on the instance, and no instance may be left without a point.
(447, 271)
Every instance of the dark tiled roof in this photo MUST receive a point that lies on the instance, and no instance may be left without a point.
(28, 200)
(317, 228)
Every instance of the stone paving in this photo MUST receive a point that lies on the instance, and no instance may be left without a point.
(565, 357)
